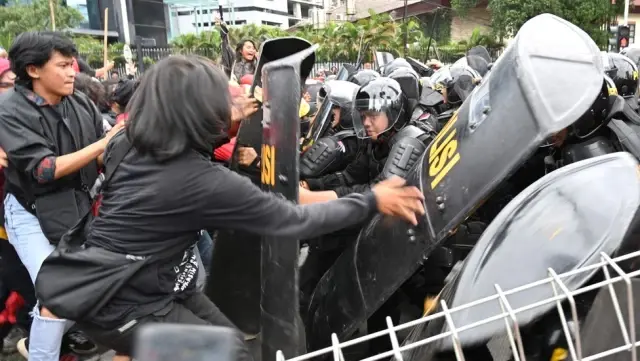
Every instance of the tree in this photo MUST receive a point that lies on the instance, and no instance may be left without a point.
(19, 17)
(507, 16)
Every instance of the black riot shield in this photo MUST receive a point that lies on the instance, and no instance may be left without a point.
(345, 72)
(480, 51)
(381, 59)
(250, 132)
(564, 221)
(420, 68)
(515, 109)
(234, 284)
(281, 325)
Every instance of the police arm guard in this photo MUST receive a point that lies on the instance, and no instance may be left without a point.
(322, 155)
(407, 147)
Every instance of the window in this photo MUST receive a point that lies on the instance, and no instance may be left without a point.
(270, 23)
(338, 16)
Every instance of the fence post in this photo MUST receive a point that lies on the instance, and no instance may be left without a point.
(139, 54)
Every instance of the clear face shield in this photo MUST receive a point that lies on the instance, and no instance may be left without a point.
(373, 117)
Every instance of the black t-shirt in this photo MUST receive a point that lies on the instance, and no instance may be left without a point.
(150, 207)
(30, 131)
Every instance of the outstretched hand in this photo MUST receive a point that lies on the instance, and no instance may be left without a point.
(396, 199)
(243, 107)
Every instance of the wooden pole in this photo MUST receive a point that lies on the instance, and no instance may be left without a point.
(53, 15)
(105, 51)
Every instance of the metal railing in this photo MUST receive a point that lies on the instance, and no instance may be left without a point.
(509, 316)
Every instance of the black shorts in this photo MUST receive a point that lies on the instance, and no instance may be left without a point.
(195, 310)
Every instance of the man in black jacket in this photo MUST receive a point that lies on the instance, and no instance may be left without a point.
(54, 142)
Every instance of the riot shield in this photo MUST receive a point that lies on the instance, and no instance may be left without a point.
(515, 109)
(281, 325)
(234, 284)
(564, 222)
(250, 132)
(587, 220)
(481, 52)
(345, 71)
(419, 67)
(382, 58)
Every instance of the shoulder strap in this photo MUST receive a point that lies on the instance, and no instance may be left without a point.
(117, 153)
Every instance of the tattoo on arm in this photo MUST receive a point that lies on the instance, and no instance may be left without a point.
(46, 170)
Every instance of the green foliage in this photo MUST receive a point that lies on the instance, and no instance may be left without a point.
(338, 41)
(507, 16)
(18, 17)
(462, 6)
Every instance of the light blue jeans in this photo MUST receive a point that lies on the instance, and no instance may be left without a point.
(25, 234)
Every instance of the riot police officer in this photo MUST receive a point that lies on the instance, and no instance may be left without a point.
(391, 145)
(381, 117)
(336, 144)
(624, 73)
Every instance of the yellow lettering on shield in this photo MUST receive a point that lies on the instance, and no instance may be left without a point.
(559, 354)
(268, 159)
(443, 152)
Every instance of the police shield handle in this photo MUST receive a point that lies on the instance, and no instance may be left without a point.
(246, 155)
(395, 199)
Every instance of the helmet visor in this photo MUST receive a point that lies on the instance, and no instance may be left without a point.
(373, 117)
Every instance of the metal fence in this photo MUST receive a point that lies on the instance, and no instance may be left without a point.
(151, 55)
(617, 286)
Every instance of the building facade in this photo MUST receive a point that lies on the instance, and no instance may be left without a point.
(189, 16)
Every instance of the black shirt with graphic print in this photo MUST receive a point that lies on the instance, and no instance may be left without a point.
(152, 208)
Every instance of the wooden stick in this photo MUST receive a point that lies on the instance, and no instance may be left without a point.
(106, 48)
(53, 15)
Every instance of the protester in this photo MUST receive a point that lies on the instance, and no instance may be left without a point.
(115, 75)
(81, 66)
(18, 296)
(151, 209)
(245, 59)
(92, 88)
(120, 98)
(3, 53)
(54, 140)
(7, 77)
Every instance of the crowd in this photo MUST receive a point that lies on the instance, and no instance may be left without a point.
(112, 190)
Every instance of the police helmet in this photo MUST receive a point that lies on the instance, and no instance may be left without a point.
(624, 73)
(363, 77)
(341, 96)
(633, 53)
(409, 81)
(395, 64)
(595, 117)
(379, 106)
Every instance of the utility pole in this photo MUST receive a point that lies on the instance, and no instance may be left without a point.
(406, 28)
(626, 12)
